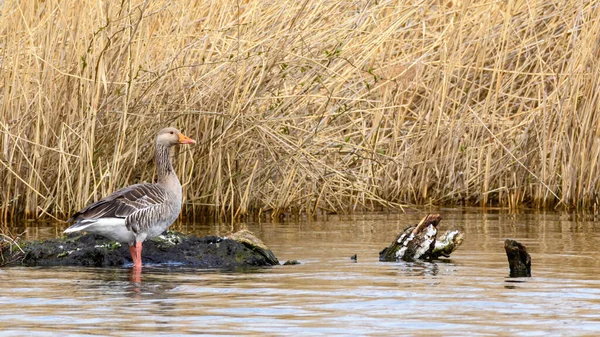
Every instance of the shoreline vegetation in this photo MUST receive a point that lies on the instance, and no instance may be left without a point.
(301, 106)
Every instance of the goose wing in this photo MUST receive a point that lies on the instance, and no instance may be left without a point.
(121, 204)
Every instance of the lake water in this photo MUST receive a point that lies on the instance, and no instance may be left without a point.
(329, 294)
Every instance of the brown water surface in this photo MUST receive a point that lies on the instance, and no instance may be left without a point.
(329, 294)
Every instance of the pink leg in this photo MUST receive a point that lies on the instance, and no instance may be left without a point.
(138, 249)
(136, 255)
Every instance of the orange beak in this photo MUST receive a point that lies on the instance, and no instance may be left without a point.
(183, 139)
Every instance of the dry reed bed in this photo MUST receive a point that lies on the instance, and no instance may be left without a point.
(301, 106)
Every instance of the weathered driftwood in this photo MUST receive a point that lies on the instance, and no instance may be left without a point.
(519, 260)
(447, 243)
(420, 242)
(238, 251)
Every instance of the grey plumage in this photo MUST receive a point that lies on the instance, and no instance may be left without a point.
(140, 211)
(138, 204)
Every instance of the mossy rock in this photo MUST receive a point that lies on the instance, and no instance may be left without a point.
(169, 248)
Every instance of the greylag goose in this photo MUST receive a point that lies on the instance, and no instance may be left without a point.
(138, 212)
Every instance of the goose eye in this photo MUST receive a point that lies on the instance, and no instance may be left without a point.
(171, 132)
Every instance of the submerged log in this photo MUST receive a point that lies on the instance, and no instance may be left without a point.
(420, 242)
(519, 260)
(241, 250)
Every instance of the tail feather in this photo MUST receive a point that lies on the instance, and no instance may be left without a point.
(111, 228)
(79, 226)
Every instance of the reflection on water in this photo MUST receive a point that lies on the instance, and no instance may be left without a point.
(329, 293)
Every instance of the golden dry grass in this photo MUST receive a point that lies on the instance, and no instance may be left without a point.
(301, 106)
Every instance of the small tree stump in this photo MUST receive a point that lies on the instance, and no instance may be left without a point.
(519, 260)
(447, 243)
(421, 242)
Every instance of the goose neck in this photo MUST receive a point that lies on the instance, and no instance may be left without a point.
(164, 166)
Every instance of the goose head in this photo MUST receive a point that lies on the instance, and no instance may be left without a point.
(171, 136)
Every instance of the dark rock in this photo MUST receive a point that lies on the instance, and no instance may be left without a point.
(519, 260)
(172, 248)
(291, 262)
(252, 242)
